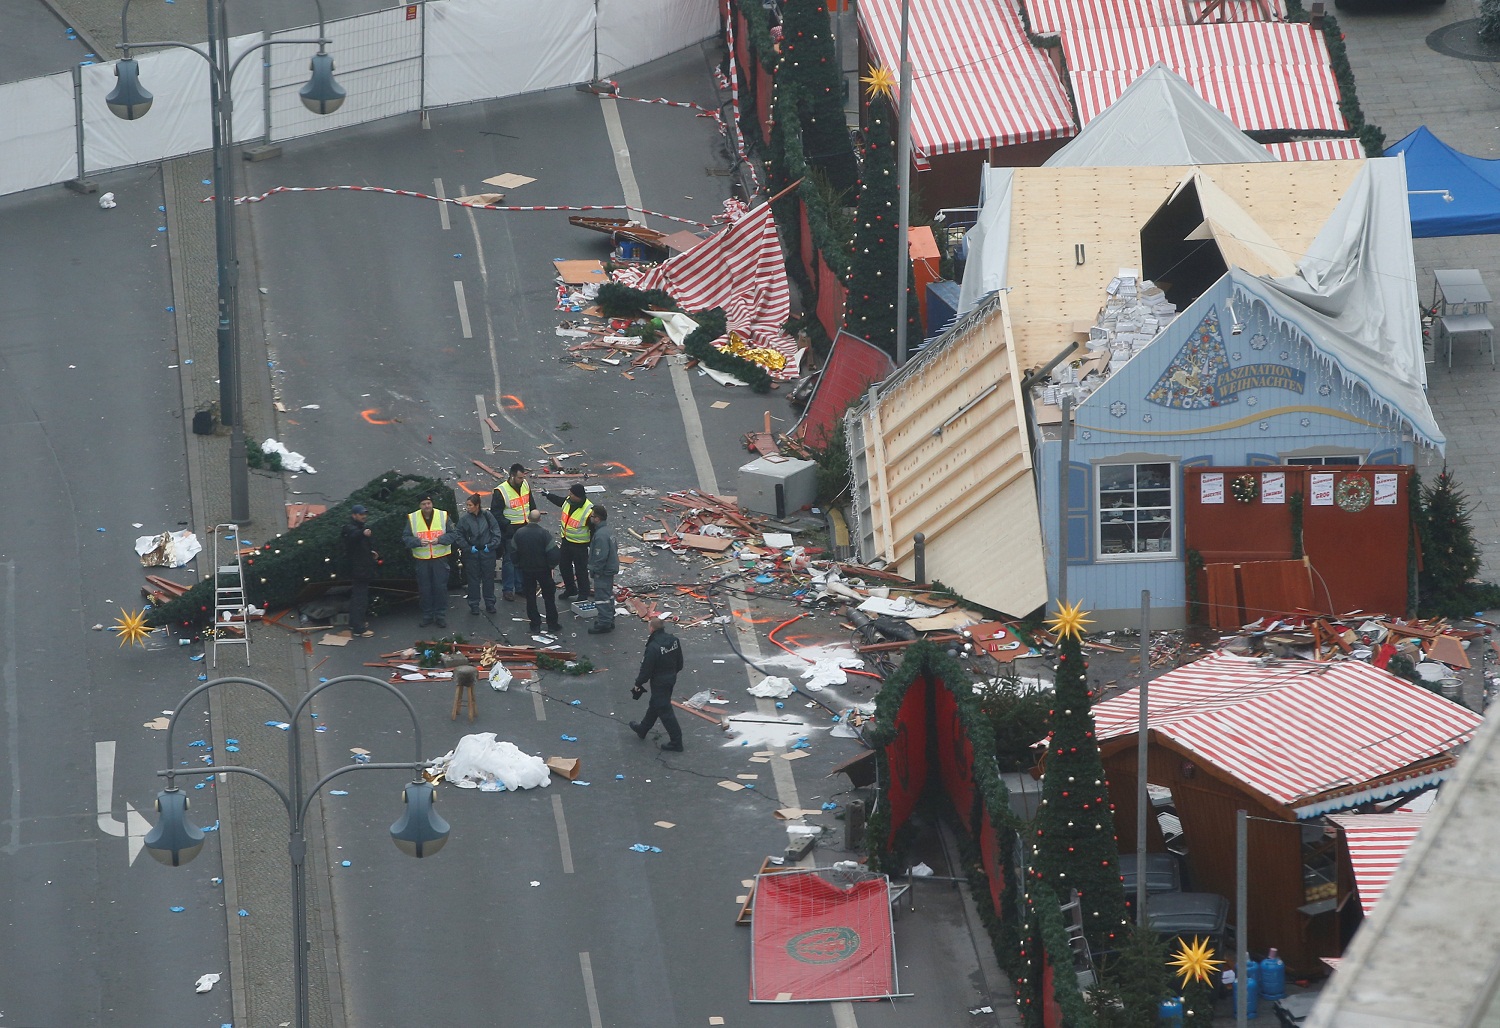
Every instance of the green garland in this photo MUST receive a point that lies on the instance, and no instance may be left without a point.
(314, 551)
(700, 346)
(1053, 934)
(1370, 136)
(621, 301)
(926, 659)
(1294, 507)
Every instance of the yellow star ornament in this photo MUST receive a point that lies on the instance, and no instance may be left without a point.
(880, 81)
(132, 628)
(1194, 960)
(1070, 619)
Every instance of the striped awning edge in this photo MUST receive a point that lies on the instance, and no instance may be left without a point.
(1377, 843)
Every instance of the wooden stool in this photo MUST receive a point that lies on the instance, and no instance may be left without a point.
(464, 678)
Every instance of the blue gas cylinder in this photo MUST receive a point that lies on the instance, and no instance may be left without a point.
(1272, 976)
(1170, 1012)
(1251, 984)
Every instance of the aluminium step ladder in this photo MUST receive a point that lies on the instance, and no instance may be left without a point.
(231, 621)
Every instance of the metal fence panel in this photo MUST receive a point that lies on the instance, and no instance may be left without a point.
(377, 58)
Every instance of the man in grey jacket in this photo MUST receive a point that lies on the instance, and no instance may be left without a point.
(604, 565)
(479, 543)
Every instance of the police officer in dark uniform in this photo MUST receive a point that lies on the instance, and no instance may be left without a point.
(659, 668)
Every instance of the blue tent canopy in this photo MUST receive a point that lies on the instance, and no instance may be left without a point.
(1473, 182)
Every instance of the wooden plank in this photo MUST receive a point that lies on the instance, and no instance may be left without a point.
(705, 543)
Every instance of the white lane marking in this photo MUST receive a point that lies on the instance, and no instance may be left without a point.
(586, 964)
(539, 702)
(134, 828)
(623, 167)
(703, 468)
(463, 310)
(481, 406)
(437, 190)
(562, 835)
(489, 321)
(12, 705)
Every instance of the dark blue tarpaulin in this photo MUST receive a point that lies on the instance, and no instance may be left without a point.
(1473, 182)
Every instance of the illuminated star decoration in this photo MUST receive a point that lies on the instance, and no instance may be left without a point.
(1070, 619)
(1194, 960)
(880, 82)
(132, 628)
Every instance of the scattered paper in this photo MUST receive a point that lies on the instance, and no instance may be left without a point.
(158, 724)
(665, 824)
(509, 180)
(719, 404)
(168, 550)
(205, 983)
(731, 786)
(335, 639)
(777, 540)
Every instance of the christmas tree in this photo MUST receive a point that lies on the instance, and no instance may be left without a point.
(870, 311)
(809, 66)
(1450, 557)
(313, 552)
(1075, 846)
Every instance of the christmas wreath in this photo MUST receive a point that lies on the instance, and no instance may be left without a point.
(1353, 494)
(1244, 488)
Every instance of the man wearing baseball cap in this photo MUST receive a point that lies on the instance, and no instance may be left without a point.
(362, 557)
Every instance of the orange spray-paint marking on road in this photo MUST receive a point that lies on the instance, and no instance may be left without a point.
(369, 415)
(514, 404)
(621, 472)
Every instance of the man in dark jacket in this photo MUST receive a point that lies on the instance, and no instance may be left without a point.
(659, 668)
(535, 554)
(362, 557)
(604, 565)
(574, 550)
(479, 544)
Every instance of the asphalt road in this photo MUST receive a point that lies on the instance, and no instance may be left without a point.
(363, 314)
(90, 423)
(34, 42)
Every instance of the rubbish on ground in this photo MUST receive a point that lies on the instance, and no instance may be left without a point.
(290, 460)
(205, 983)
(168, 549)
(480, 759)
(566, 767)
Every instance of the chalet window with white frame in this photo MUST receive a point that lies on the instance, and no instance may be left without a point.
(1136, 510)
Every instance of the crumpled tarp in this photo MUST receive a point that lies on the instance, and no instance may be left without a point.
(481, 762)
(168, 550)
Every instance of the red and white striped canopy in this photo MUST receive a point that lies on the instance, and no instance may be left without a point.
(741, 269)
(1293, 730)
(1049, 17)
(977, 82)
(1266, 77)
(1377, 843)
(1318, 150)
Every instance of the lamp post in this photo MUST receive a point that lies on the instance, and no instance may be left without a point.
(419, 832)
(129, 100)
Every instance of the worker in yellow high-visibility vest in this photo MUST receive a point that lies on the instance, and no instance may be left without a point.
(510, 503)
(428, 536)
(576, 534)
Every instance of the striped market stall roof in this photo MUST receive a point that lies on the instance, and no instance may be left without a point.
(1318, 150)
(977, 82)
(1312, 737)
(1266, 77)
(1377, 843)
(1049, 17)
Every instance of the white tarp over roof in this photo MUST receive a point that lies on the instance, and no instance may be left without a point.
(1355, 295)
(1159, 120)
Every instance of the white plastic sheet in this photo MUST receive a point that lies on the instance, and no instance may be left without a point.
(639, 31)
(179, 121)
(477, 49)
(168, 549)
(480, 760)
(36, 134)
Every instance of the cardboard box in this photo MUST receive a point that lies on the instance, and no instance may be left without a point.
(566, 767)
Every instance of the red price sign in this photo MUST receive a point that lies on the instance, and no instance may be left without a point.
(411, 12)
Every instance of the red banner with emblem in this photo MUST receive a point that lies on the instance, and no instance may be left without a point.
(815, 940)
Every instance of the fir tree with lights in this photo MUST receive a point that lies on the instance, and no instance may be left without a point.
(1075, 847)
(1450, 556)
(809, 65)
(870, 311)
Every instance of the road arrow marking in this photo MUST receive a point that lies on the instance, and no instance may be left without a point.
(135, 826)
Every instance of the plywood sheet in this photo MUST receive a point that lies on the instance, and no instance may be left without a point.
(581, 273)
